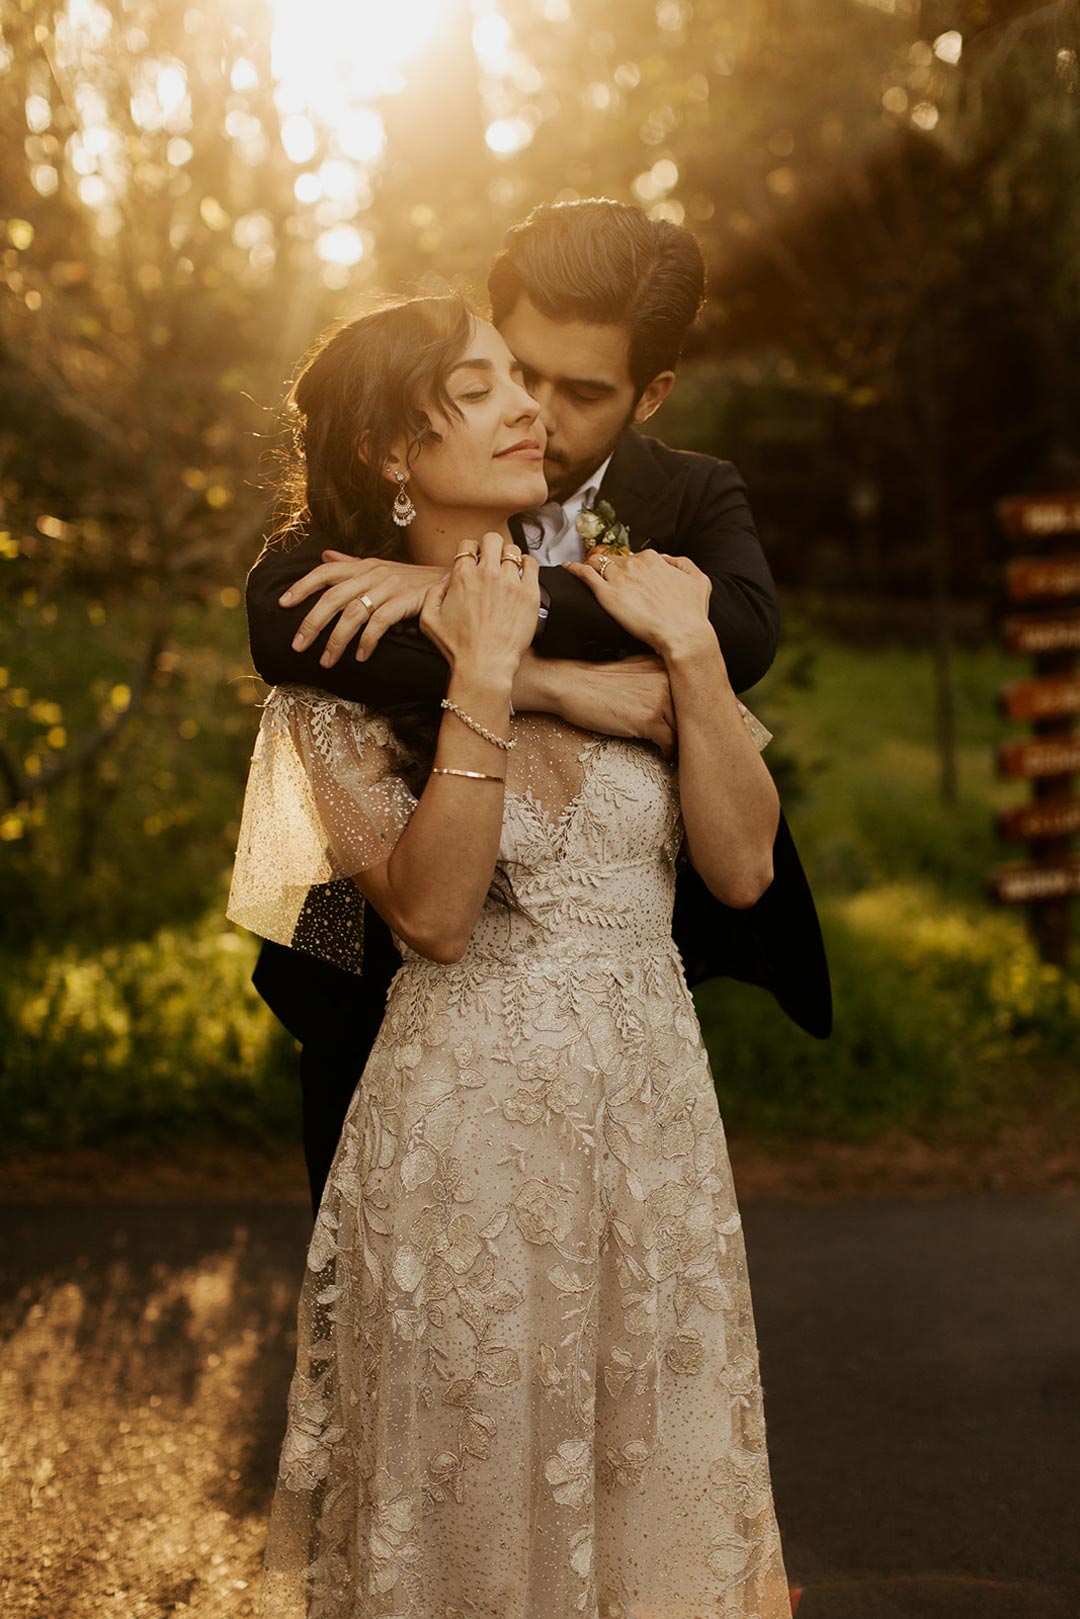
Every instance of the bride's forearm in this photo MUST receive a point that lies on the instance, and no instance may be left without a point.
(432, 888)
(730, 805)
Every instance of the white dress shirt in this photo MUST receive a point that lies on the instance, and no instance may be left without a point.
(559, 539)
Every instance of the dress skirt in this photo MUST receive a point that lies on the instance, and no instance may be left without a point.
(527, 1383)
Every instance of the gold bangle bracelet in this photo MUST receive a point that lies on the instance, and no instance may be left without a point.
(473, 775)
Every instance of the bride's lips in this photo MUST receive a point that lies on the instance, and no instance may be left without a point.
(526, 449)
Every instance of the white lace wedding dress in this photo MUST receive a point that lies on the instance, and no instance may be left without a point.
(527, 1382)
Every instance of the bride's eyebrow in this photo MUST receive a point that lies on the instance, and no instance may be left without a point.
(471, 365)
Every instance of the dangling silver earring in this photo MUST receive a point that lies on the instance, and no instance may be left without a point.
(403, 511)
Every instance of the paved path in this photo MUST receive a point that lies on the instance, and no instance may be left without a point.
(922, 1386)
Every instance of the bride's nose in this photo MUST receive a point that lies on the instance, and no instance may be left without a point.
(522, 407)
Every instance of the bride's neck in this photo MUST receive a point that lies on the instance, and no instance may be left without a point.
(434, 537)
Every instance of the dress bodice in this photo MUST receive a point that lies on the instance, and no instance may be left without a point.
(590, 835)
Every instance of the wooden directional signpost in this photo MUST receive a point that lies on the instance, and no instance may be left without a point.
(1049, 583)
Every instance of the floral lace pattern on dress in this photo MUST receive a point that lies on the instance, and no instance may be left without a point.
(527, 1383)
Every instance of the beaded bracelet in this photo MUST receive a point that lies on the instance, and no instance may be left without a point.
(481, 730)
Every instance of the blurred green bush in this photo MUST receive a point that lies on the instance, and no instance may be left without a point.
(150, 1040)
(941, 1012)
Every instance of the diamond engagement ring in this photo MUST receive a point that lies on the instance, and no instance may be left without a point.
(603, 565)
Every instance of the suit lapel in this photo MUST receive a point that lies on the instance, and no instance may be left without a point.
(643, 495)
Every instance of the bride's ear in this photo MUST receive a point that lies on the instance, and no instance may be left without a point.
(392, 464)
(363, 448)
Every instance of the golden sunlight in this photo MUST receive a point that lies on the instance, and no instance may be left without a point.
(330, 55)
(331, 60)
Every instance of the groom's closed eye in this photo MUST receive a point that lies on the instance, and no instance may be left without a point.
(581, 391)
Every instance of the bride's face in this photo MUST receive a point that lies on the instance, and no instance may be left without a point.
(490, 459)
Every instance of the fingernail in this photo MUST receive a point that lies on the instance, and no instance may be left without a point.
(299, 641)
(325, 660)
(287, 597)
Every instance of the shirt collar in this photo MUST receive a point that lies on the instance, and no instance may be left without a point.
(587, 493)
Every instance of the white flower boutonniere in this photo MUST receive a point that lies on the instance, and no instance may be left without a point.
(600, 527)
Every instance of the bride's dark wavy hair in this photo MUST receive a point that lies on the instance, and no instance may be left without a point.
(364, 383)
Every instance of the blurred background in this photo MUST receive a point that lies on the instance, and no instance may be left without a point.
(888, 194)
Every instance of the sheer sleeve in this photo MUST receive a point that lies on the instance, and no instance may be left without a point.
(324, 801)
(760, 735)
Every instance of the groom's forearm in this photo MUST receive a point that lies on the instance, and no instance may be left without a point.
(404, 667)
(629, 698)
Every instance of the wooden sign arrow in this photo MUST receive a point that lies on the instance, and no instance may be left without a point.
(1042, 576)
(1020, 885)
(1039, 758)
(1045, 818)
(1034, 635)
(1040, 699)
(1024, 516)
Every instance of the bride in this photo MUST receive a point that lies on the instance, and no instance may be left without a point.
(527, 1381)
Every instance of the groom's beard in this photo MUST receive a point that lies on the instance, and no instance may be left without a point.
(565, 472)
(560, 475)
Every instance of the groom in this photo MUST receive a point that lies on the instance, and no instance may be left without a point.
(594, 299)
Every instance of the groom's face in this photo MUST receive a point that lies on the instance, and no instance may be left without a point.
(580, 374)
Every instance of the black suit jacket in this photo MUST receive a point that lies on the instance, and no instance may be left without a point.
(686, 504)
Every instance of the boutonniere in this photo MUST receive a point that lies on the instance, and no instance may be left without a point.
(599, 525)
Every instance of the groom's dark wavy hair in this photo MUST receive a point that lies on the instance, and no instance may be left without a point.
(609, 264)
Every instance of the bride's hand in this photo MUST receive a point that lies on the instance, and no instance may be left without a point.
(482, 614)
(659, 599)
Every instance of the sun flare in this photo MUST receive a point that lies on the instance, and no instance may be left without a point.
(327, 56)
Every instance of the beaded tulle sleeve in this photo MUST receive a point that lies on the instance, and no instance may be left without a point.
(323, 802)
(758, 731)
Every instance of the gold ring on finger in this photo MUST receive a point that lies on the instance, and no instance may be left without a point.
(474, 554)
(511, 556)
(603, 565)
(366, 601)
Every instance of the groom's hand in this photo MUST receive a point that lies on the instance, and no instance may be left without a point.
(631, 697)
(395, 590)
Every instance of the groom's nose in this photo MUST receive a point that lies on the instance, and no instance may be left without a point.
(544, 394)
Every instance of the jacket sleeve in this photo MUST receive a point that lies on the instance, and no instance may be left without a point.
(405, 666)
(715, 529)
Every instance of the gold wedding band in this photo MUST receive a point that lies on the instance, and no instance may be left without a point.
(511, 556)
(474, 554)
(367, 602)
